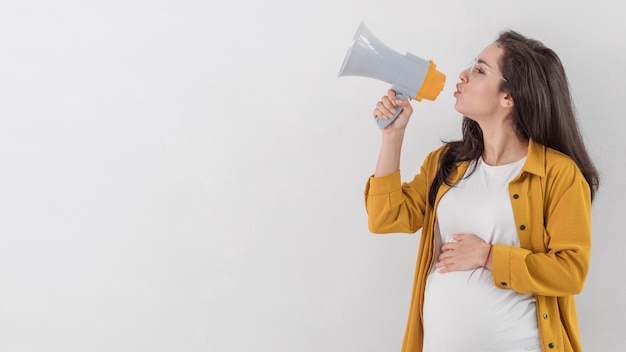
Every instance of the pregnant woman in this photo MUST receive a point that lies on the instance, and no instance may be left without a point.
(505, 212)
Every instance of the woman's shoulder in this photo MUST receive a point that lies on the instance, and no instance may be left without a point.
(555, 158)
(542, 156)
(558, 163)
(440, 150)
(434, 156)
(561, 174)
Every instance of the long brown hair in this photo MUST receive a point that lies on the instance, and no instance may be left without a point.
(543, 110)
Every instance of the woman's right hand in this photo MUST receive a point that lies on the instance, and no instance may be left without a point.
(386, 108)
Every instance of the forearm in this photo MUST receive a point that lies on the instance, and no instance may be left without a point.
(389, 155)
(547, 274)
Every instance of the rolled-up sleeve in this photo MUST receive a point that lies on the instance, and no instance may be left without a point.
(396, 207)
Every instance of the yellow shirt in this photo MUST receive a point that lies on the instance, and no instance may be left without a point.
(551, 203)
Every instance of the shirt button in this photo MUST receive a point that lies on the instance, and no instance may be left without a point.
(515, 196)
(523, 227)
(545, 316)
(551, 345)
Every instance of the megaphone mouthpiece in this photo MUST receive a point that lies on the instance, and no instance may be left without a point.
(433, 84)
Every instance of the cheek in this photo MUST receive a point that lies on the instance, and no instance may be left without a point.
(483, 94)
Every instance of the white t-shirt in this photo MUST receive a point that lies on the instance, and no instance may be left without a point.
(464, 310)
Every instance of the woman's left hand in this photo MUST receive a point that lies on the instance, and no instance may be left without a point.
(467, 253)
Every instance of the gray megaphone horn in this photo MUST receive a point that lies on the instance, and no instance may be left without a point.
(410, 76)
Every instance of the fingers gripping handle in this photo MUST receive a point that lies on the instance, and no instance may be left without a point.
(382, 123)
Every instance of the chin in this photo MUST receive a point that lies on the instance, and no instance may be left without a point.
(458, 108)
(465, 113)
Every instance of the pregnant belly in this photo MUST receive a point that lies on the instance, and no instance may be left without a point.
(465, 308)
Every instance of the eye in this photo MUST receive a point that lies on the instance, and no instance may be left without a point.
(480, 69)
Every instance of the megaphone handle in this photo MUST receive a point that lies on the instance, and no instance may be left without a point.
(382, 123)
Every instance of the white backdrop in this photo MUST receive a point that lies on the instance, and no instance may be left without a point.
(188, 176)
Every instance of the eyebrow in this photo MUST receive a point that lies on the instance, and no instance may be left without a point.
(481, 61)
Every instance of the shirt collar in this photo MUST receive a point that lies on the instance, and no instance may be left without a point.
(534, 164)
(535, 160)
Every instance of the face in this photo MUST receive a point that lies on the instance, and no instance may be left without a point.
(478, 95)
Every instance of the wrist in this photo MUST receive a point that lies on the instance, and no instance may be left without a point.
(391, 133)
(488, 256)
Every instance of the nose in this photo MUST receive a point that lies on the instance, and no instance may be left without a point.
(464, 75)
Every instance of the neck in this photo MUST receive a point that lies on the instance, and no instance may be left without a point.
(503, 146)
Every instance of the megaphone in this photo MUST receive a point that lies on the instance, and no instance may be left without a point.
(410, 76)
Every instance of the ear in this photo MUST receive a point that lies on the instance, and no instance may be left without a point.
(507, 101)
